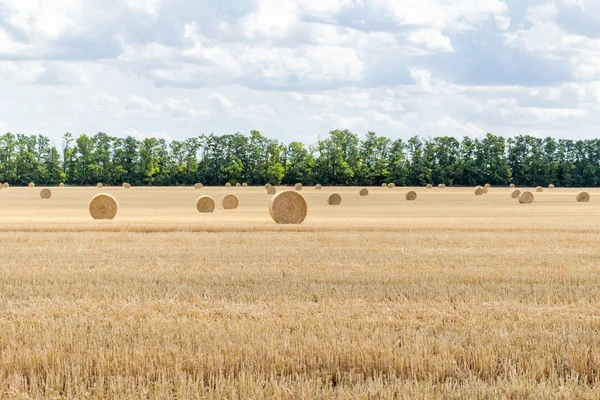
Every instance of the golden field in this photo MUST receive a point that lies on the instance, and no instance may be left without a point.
(450, 296)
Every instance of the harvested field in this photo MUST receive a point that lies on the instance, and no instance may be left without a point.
(381, 297)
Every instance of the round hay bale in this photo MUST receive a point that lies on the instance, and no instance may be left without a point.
(238, 184)
(551, 186)
(384, 185)
(103, 206)
(484, 190)
(364, 192)
(230, 202)
(228, 184)
(31, 184)
(127, 186)
(391, 185)
(515, 194)
(478, 191)
(271, 190)
(61, 185)
(410, 195)
(318, 186)
(539, 189)
(478, 187)
(298, 186)
(512, 185)
(487, 185)
(268, 185)
(334, 199)
(205, 204)
(582, 197)
(288, 207)
(429, 186)
(5, 185)
(99, 185)
(442, 186)
(45, 193)
(525, 198)
(244, 184)
(198, 186)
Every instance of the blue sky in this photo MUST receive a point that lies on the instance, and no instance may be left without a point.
(295, 69)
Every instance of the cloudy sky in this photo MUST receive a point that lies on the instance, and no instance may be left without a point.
(295, 69)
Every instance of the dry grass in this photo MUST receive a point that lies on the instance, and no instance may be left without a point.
(165, 302)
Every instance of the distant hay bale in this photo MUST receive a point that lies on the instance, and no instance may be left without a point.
(31, 184)
(442, 186)
(238, 184)
(198, 186)
(525, 198)
(391, 185)
(487, 185)
(271, 190)
(45, 193)
(583, 197)
(227, 184)
(429, 186)
(410, 195)
(512, 185)
(288, 207)
(364, 192)
(103, 206)
(244, 184)
(61, 185)
(384, 185)
(230, 202)
(484, 190)
(99, 185)
(205, 204)
(539, 189)
(268, 185)
(478, 187)
(515, 194)
(551, 186)
(318, 186)
(5, 185)
(478, 191)
(298, 186)
(127, 185)
(334, 199)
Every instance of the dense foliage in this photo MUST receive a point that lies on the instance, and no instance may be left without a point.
(342, 158)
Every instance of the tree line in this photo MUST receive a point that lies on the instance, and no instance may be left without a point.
(341, 158)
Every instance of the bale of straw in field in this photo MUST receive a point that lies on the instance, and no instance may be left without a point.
(391, 185)
(230, 202)
(244, 184)
(410, 195)
(478, 187)
(318, 186)
(539, 189)
(238, 184)
(205, 204)
(364, 192)
(582, 197)
(127, 185)
(429, 186)
(484, 190)
(103, 206)
(227, 184)
(551, 186)
(61, 185)
(525, 198)
(99, 185)
(384, 185)
(487, 185)
(31, 184)
(298, 186)
(45, 193)
(268, 185)
(515, 194)
(478, 191)
(442, 185)
(271, 190)
(5, 185)
(288, 207)
(512, 185)
(334, 199)
(198, 186)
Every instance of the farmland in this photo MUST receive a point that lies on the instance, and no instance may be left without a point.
(452, 295)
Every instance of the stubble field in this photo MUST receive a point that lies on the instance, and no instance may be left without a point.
(450, 296)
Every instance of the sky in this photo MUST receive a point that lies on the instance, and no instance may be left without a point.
(296, 69)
